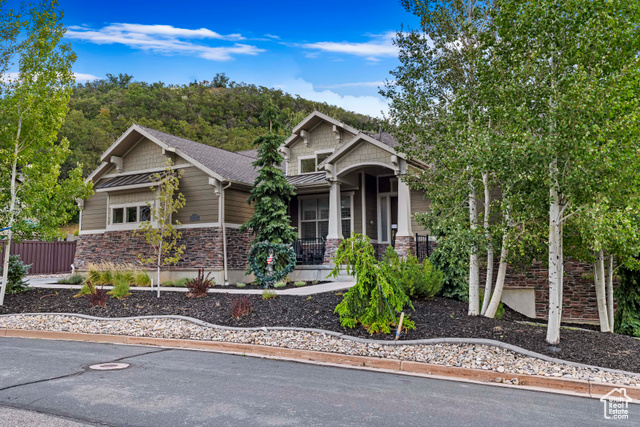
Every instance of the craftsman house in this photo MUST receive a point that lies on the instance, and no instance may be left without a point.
(346, 181)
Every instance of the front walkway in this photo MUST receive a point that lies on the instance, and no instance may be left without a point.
(51, 283)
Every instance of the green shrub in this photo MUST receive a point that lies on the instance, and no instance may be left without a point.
(376, 291)
(300, 284)
(120, 286)
(142, 279)
(240, 285)
(417, 280)
(15, 278)
(74, 279)
(267, 294)
(453, 261)
(280, 285)
(627, 294)
(105, 277)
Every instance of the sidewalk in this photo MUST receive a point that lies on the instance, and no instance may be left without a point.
(51, 283)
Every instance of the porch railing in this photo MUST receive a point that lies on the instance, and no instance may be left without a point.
(309, 251)
(422, 247)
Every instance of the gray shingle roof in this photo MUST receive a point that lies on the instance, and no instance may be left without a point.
(139, 178)
(307, 178)
(384, 137)
(249, 153)
(234, 166)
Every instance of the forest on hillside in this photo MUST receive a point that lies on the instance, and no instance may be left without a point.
(220, 112)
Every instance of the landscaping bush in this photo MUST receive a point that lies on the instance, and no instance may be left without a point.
(453, 262)
(280, 285)
(198, 287)
(96, 297)
(17, 272)
(241, 285)
(121, 287)
(417, 280)
(627, 294)
(240, 306)
(300, 284)
(140, 278)
(376, 291)
(74, 279)
(267, 294)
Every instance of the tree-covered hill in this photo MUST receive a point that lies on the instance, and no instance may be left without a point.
(221, 113)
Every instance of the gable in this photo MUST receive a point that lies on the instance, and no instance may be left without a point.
(145, 155)
(321, 138)
(362, 153)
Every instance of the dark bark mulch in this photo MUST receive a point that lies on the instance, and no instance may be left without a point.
(289, 285)
(434, 318)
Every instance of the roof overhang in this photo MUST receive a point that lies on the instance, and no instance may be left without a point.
(311, 121)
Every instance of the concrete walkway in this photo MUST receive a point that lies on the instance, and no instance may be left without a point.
(51, 283)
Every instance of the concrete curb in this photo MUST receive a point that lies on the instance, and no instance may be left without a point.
(430, 341)
(579, 388)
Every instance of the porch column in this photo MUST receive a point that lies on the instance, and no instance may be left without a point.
(334, 237)
(405, 241)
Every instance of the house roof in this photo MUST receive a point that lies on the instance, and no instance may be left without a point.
(120, 181)
(311, 121)
(249, 153)
(307, 178)
(384, 137)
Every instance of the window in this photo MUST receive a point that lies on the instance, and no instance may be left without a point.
(309, 164)
(314, 217)
(345, 212)
(130, 214)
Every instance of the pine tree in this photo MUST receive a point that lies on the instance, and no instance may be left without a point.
(271, 192)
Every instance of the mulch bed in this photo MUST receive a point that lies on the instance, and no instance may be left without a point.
(289, 285)
(434, 318)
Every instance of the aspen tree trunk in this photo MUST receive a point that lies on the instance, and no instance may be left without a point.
(474, 269)
(599, 278)
(610, 309)
(12, 211)
(492, 308)
(555, 259)
(487, 232)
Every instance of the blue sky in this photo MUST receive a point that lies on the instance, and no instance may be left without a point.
(332, 51)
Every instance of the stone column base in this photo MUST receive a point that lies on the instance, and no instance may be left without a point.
(405, 245)
(330, 248)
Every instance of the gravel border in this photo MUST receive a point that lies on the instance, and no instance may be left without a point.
(369, 342)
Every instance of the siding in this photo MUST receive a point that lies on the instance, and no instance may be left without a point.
(145, 155)
(364, 152)
(200, 198)
(237, 210)
(357, 208)
(94, 214)
(418, 204)
(371, 201)
(137, 196)
(320, 138)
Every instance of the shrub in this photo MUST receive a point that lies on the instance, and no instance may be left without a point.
(120, 286)
(198, 286)
(417, 280)
(74, 279)
(240, 306)
(240, 285)
(453, 261)
(627, 294)
(140, 278)
(105, 277)
(15, 278)
(268, 294)
(180, 283)
(377, 299)
(300, 284)
(96, 297)
(280, 285)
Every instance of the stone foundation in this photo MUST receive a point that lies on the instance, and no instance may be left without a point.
(330, 248)
(405, 245)
(203, 248)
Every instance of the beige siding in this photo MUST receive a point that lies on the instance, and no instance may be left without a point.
(94, 214)
(363, 153)
(237, 210)
(145, 155)
(137, 196)
(371, 201)
(201, 200)
(320, 138)
(418, 204)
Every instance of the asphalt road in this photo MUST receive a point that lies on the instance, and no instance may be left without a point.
(48, 383)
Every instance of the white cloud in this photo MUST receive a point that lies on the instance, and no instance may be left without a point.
(271, 36)
(381, 46)
(80, 77)
(355, 84)
(370, 105)
(164, 39)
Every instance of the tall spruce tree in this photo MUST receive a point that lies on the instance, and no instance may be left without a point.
(271, 192)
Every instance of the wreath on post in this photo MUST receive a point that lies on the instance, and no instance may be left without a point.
(281, 257)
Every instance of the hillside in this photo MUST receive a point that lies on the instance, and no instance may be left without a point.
(221, 113)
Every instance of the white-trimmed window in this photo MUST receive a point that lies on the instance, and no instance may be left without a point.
(129, 215)
(309, 164)
(387, 208)
(314, 216)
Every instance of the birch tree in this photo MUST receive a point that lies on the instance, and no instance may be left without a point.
(35, 85)
(572, 97)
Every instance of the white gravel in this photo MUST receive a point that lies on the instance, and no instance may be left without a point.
(490, 358)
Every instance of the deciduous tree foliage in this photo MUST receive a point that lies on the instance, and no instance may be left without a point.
(35, 86)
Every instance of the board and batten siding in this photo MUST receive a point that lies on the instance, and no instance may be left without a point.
(237, 210)
(94, 214)
(418, 204)
(201, 201)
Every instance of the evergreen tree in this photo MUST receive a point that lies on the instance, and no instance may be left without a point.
(271, 192)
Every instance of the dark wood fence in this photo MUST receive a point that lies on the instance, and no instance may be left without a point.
(45, 257)
(422, 247)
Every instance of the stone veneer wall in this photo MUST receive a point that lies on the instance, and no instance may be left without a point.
(203, 248)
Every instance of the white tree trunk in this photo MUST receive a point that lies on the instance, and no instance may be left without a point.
(601, 296)
(474, 268)
(555, 260)
(487, 232)
(610, 309)
(12, 211)
(502, 272)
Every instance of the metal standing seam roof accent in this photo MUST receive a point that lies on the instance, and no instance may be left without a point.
(307, 178)
(120, 181)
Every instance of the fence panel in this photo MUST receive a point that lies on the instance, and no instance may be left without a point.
(44, 257)
(422, 247)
